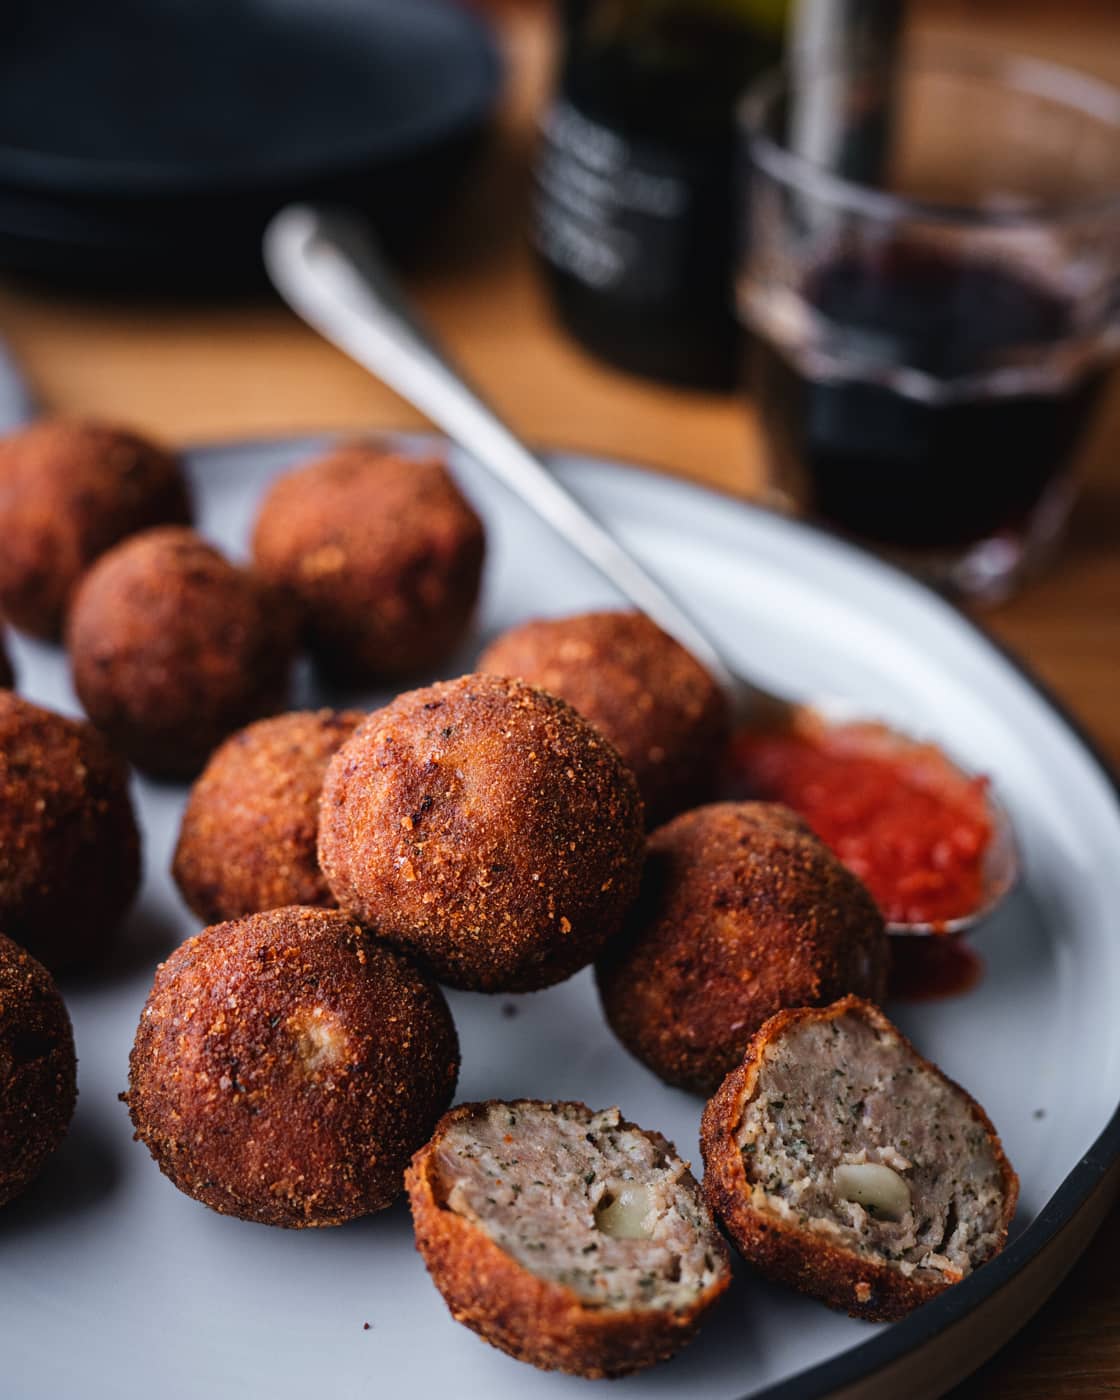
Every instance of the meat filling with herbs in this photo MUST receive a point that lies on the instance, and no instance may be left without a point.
(583, 1200)
(849, 1134)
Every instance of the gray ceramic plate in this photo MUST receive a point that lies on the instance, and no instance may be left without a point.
(113, 1284)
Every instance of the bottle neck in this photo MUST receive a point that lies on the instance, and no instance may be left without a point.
(660, 66)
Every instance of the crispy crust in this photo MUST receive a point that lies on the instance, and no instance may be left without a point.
(781, 1249)
(651, 698)
(488, 828)
(742, 912)
(251, 823)
(69, 844)
(302, 1108)
(38, 1071)
(383, 554)
(172, 648)
(69, 490)
(532, 1319)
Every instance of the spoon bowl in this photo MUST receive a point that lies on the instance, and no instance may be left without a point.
(999, 875)
(999, 871)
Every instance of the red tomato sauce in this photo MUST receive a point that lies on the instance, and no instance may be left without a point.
(899, 815)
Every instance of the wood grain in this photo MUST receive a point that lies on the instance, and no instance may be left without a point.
(196, 372)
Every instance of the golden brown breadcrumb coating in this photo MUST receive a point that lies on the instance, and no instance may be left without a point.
(782, 1244)
(286, 1066)
(69, 490)
(251, 824)
(69, 845)
(487, 827)
(383, 554)
(172, 648)
(38, 1071)
(652, 699)
(743, 912)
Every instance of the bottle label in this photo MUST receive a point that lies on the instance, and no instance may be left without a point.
(611, 212)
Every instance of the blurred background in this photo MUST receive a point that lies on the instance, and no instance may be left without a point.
(575, 180)
(632, 265)
(143, 148)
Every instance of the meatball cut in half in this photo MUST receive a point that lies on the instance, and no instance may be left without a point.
(69, 490)
(38, 1071)
(844, 1164)
(382, 552)
(249, 832)
(286, 1067)
(570, 1239)
(172, 648)
(486, 826)
(69, 845)
(743, 912)
(658, 706)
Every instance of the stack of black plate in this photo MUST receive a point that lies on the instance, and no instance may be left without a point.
(146, 142)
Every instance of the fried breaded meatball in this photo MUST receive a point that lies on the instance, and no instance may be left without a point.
(846, 1165)
(38, 1070)
(570, 1239)
(7, 674)
(486, 826)
(172, 648)
(286, 1067)
(383, 553)
(653, 700)
(69, 490)
(251, 823)
(743, 912)
(69, 846)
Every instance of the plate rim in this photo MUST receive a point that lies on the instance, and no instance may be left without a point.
(1082, 1183)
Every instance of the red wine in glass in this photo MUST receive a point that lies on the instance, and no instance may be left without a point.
(922, 399)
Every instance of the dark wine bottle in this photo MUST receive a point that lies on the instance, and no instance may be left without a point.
(635, 211)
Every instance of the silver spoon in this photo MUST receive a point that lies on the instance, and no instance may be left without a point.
(327, 268)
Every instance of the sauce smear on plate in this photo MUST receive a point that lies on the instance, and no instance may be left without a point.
(900, 816)
(929, 969)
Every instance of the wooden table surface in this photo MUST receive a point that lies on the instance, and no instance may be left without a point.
(197, 372)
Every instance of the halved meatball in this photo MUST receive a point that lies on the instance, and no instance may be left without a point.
(659, 707)
(38, 1071)
(286, 1066)
(742, 912)
(487, 827)
(251, 823)
(567, 1238)
(69, 844)
(382, 552)
(844, 1164)
(172, 648)
(69, 490)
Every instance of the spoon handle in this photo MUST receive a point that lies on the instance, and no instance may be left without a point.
(329, 271)
(17, 402)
